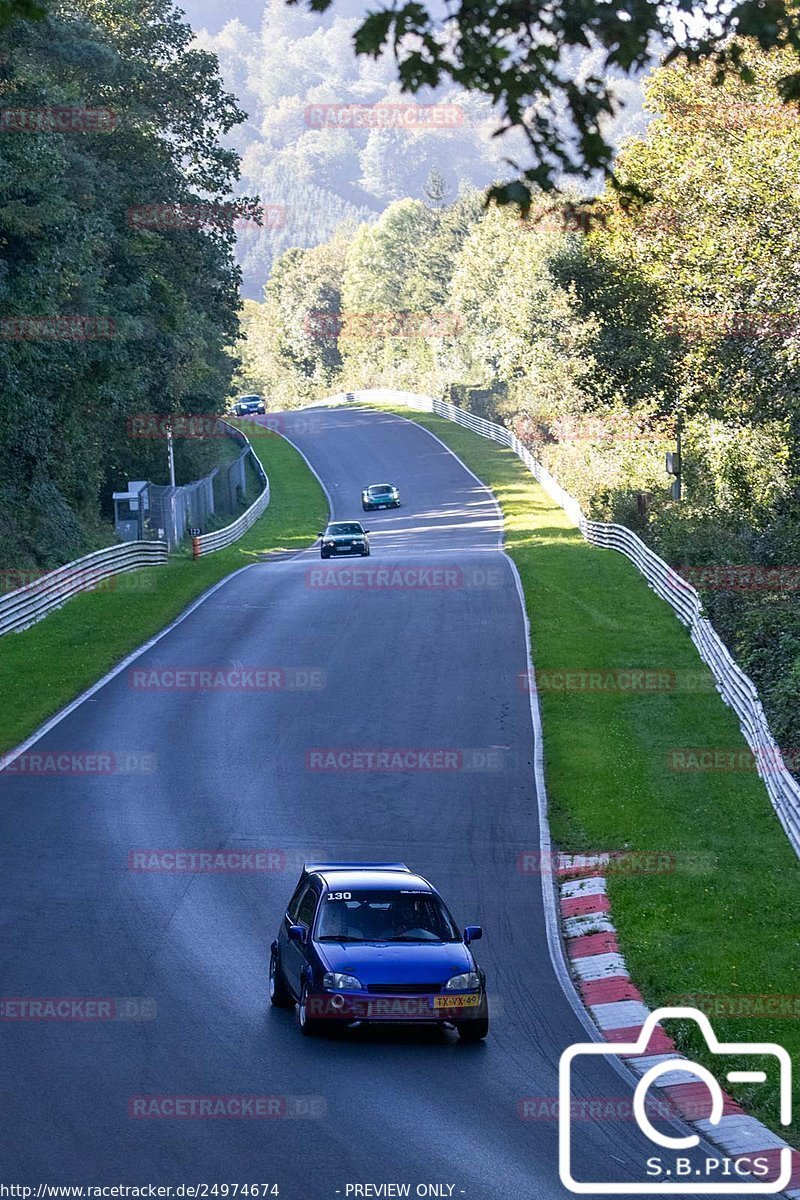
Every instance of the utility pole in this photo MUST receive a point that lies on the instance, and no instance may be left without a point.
(170, 456)
(675, 460)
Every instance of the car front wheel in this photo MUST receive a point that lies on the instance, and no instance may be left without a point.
(365, 553)
(309, 1026)
(474, 1030)
(278, 991)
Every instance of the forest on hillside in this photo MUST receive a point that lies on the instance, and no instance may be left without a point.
(110, 117)
(370, 145)
(595, 333)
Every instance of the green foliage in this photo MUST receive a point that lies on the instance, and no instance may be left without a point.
(290, 350)
(69, 247)
(593, 346)
(330, 136)
(12, 10)
(516, 56)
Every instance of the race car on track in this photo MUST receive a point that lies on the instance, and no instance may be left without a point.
(375, 942)
(248, 406)
(380, 495)
(344, 537)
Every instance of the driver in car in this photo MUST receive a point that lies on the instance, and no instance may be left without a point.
(408, 920)
(337, 921)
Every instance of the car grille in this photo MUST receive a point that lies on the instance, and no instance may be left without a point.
(405, 989)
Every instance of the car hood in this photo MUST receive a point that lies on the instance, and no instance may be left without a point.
(344, 537)
(397, 962)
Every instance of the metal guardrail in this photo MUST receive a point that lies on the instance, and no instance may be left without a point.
(737, 689)
(207, 543)
(27, 605)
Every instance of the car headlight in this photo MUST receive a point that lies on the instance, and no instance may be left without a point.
(470, 981)
(341, 983)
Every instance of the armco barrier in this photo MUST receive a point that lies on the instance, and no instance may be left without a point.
(207, 543)
(26, 605)
(737, 689)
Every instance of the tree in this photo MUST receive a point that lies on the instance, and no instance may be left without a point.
(12, 10)
(141, 317)
(718, 245)
(290, 349)
(435, 188)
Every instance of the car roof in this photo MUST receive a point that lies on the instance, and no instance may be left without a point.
(385, 880)
(386, 876)
(375, 487)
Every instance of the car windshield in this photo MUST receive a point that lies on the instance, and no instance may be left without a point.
(344, 527)
(384, 916)
(381, 489)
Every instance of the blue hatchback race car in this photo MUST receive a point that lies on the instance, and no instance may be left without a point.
(375, 942)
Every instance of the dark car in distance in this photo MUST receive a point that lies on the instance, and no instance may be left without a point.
(375, 942)
(344, 537)
(248, 406)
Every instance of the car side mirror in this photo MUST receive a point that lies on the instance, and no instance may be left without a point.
(298, 933)
(473, 933)
(321, 533)
(367, 531)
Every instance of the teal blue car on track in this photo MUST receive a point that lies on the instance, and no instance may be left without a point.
(380, 495)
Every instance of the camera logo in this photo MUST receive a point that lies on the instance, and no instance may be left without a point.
(700, 1183)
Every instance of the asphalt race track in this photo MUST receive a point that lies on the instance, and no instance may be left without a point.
(434, 664)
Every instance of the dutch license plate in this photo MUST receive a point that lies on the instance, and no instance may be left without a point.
(457, 1001)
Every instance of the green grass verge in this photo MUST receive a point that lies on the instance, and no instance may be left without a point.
(46, 666)
(726, 921)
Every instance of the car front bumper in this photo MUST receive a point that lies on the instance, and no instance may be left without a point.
(345, 549)
(367, 1006)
